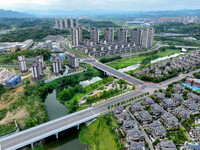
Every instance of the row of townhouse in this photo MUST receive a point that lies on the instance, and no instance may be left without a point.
(102, 49)
(187, 61)
(133, 135)
(155, 128)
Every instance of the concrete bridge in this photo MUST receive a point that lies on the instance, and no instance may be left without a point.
(113, 72)
(53, 127)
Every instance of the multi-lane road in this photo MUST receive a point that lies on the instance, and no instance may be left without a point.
(116, 73)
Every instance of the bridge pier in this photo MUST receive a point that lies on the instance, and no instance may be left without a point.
(56, 135)
(78, 126)
(32, 147)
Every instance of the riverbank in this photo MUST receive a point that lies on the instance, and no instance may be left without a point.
(100, 135)
(122, 63)
(25, 102)
(72, 95)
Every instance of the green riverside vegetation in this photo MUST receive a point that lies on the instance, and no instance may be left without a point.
(122, 63)
(72, 95)
(100, 135)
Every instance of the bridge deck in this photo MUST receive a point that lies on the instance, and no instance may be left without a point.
(47, 129)
(116, 73)
(39, 132)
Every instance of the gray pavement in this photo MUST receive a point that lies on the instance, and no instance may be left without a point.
(116, 73)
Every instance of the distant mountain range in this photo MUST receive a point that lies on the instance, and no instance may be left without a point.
(13, 14)
(103, 14)
(115, 14)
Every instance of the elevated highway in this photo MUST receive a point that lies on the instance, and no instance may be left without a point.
(113, 72)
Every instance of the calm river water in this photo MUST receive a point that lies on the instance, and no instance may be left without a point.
(68, 140)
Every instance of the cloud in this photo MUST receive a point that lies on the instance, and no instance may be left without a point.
(99, 4)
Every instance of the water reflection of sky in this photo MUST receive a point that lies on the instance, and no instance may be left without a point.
(88, 82)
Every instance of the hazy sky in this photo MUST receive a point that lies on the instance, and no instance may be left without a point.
(25, 5)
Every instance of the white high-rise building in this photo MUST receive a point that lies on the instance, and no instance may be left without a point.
(22, 64)
(40, 59)
(151, 32)
(109, 35)
(94, 35)
(148, 37)
(61, 23)
(36, 72)
(122, 35)
(76, 34)
(66, 22)
(77, 22)
(56, 23)
(57, 64)
(73, 61)
(72, 22)
(145, 33)
(136, 36)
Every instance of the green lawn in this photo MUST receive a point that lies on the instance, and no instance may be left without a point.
(122, 63)
(99, 135)
(6, 128)
(91, 87)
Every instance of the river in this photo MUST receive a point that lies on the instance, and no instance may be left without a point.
(68, 140)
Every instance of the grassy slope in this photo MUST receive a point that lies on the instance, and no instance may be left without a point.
(6, 129)
(122, 63)
(98, 136)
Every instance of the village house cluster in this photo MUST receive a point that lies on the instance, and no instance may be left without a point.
(157, 115)
(182, 63)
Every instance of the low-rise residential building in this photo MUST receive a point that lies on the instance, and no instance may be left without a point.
(135, 146)
(192, 107)
(178, 88)
(193, 97)
(136, 107)
(196, 132)
(192, 146)
(122, 117)
(144, 117)
(134, 135)
(170, 120)
(160, 96)
(192, 81)
(156, 109)
(128, 125)
(166, 145)
(157, 130)
(177, 98)
(168, 104)
(182, 113)
(148, 101)
(118, 110)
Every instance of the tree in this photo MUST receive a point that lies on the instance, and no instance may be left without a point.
(2, 89)
(156, 142)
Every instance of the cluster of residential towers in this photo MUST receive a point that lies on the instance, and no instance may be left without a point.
(65, 23)
(139, 39)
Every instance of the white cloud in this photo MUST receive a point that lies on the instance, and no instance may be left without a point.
(99, 4)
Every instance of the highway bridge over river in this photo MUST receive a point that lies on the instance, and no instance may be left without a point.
(113, 72)
(34, 134)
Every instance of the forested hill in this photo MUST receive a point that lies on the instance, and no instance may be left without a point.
(12, 14)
